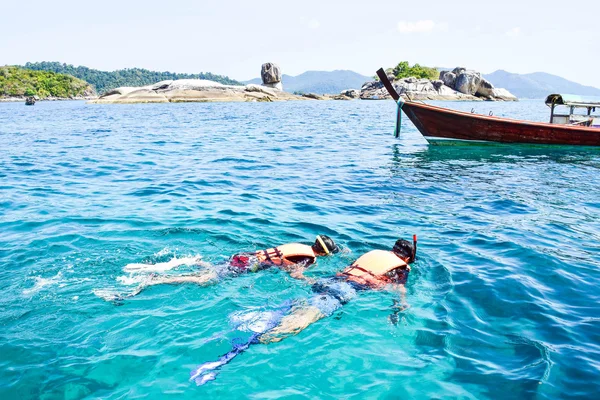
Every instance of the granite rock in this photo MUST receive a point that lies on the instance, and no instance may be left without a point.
(449, 78)
(458, 84)
(352, 93)
(503, 94)
(468, 82)
(485, 89)
(270, 73)
(193, 90)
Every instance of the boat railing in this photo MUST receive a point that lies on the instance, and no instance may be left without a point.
(586, 105)
(572, 117)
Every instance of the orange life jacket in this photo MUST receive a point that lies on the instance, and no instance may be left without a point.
(371, 267)
(284, 254)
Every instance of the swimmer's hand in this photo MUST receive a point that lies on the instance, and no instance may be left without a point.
(398, 309)
(297, 272)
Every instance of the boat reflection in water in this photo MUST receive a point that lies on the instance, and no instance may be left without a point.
(462, 156)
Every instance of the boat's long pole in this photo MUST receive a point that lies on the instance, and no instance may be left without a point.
(388, 85)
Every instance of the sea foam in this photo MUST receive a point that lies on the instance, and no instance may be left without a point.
(43, 282)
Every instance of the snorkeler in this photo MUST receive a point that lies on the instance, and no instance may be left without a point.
(292, 257)
(375, 270)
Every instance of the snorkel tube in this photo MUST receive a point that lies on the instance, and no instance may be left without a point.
(414, 254)
(322, 243)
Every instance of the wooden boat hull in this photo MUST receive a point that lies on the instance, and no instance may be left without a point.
(439, 125)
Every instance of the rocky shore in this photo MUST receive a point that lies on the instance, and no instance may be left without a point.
(349, 94)
(198, 90)
(460, 84)
(192, 90)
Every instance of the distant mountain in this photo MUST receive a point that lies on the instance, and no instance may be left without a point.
(538, 85)
(105, 80)
(321, 82)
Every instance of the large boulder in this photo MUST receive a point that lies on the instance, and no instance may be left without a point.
(503, 94)
(458, 70)
(414, 86)
(448, 92)
(485, 89)
(449, 78)
(468, 82)
(193, 90)
(458, 84)
(119, 91)
(352, 93)
(270, 73)
(374, 90)
(260, 89)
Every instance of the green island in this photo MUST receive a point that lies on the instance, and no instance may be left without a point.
(405, 70)
(20, 82)
(104, 81)
(54, 80)
(418, 82)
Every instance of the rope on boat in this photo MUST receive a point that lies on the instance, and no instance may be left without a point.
(400, 103)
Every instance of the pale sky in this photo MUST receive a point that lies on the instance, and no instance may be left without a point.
(235, 37)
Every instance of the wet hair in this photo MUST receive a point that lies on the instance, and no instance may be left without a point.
(331, 246)
(404, 249)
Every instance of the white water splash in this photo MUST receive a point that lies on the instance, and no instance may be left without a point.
(42, 282)
(163, 252)
(106, 294)
(165, 266)
(129, 280)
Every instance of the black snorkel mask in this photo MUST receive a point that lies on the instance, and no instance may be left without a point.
(328, 251)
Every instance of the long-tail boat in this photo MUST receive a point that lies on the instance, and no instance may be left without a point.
(438, 124)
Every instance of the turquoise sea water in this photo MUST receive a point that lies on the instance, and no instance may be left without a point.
(504, 295)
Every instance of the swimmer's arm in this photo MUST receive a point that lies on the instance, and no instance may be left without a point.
(153, 280)
(400, 305)
(400, 290)
(297, 272)
(292, 324)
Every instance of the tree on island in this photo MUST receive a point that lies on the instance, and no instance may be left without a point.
(405, 70)
(19, 82)
(104, 80)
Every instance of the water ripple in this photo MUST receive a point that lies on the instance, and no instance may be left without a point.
(503, 296)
